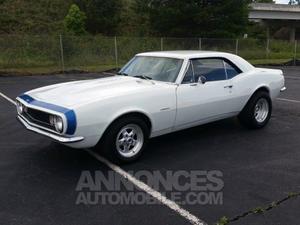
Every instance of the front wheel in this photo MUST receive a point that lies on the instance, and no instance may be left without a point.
(125, 139)
(257, 113)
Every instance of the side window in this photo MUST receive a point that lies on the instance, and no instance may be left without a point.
(211, 69)
(189, 75)
(231, 70)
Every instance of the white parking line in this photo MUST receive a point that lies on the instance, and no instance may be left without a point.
(7, 98)
(155, 194)
(292, 77)
(141, 185)
(288, 100)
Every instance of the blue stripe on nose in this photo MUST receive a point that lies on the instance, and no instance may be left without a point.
(69, 113)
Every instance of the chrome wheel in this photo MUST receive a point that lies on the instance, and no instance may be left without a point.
(130, 140)
(261, 110)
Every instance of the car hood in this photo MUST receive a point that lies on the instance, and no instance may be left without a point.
(75, 93)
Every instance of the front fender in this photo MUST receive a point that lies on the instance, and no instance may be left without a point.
(129, 110)
(94, 125)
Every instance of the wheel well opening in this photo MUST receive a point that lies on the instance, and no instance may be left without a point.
(139, 115)
(265, 89)
(133, 114)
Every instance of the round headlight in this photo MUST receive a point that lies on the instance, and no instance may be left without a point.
(20, 108)
(57, 122)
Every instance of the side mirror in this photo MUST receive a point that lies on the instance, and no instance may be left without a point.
(202, 79)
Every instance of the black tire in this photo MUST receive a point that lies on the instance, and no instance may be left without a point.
(108, 146)
(248, 115)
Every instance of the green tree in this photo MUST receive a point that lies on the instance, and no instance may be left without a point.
(32, 16)
(211, 18)
(103, 16)
(129, 22)
(75, 21)
(256, 30)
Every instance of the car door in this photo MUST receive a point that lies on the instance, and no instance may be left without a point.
(236, 100)
(198, 103)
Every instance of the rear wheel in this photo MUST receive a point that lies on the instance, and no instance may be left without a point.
(257, 113)
(125, 139)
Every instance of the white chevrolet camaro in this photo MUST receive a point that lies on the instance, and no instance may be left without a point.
(155, 93)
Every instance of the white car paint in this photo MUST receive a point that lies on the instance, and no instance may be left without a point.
(169, 106)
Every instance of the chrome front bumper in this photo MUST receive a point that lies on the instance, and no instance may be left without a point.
(283, 89)
(55, 137)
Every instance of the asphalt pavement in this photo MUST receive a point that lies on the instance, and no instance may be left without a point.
(38, 178)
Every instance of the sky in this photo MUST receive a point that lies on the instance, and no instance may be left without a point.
(282, 1)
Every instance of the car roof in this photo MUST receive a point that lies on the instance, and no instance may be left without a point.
(238, 61)
(184, 54)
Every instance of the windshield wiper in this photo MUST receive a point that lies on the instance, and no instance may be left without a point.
(122, 73)
(143, 77)
(138, 76)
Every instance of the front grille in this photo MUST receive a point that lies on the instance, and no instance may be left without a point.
(38, 117)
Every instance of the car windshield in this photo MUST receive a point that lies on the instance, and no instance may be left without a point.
(153, 68)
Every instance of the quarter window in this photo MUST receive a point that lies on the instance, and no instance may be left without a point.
(231, 70)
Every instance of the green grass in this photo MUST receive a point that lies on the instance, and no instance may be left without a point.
(52, 70)
(42, 54)
(223, 221)
(268, 61)
(100, 68)
(91, 68)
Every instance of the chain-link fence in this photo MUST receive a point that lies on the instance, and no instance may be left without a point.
(50, 54)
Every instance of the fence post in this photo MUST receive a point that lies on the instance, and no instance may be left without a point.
(295, 53)
(200, 43)
(116, 52)
(237, 46)
(62, 53)
(268, 48)
(161, 44)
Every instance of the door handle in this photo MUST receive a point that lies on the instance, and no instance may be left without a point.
(228, 86)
